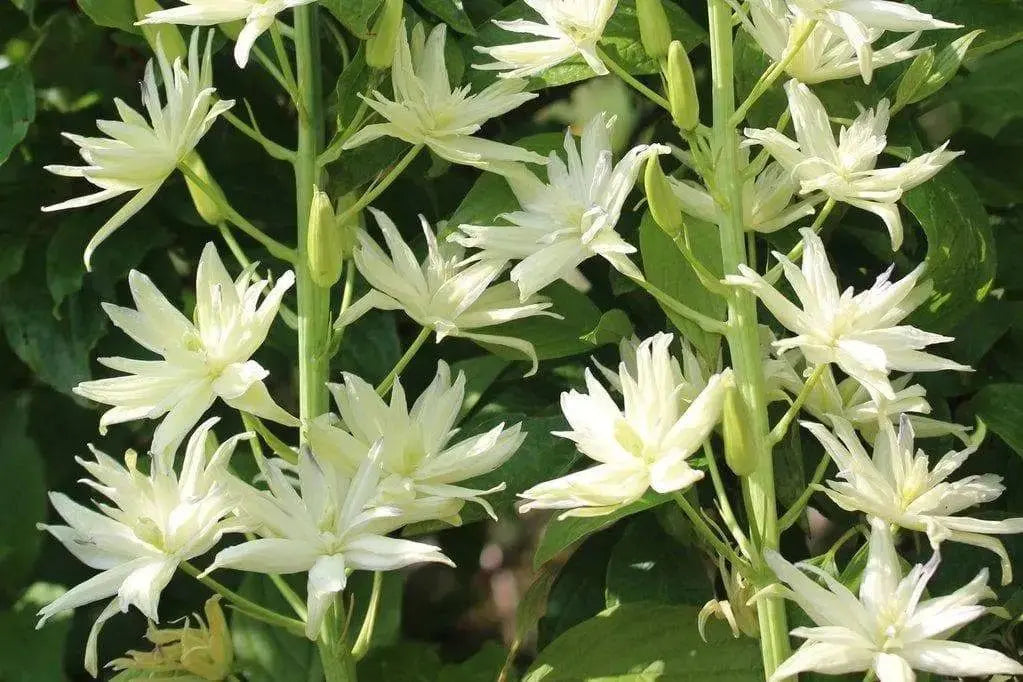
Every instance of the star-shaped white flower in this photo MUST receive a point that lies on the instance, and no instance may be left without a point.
(846, 169)
(258, 16)
(427, 111)
(326, 528)
(898, 485)
(446, 293)
(570, 218)
(150, 524)
(417, 456)
(860, 333)
(862, 21)
(643, 446)
(569, 28)
(890, 629)
(140, 154)
(827, 54)
(202, 360)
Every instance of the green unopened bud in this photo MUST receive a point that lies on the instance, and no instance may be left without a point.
(654, 30)
(167, 36)
(324, 245)
(207, 206)
(384, 35)
(685, 106)
(739, 450)
(665, 207)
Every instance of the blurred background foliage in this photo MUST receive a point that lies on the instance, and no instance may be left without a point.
(62, 63)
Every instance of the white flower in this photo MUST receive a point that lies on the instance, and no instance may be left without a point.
(827, 54)
(570, 219)
(861, 333)
(151, 524)
(202, 361)
(645, 445)
(326, 529)
(846, 170)
(426, 111)
(889, 629)
(417, 456)
(569, 28)
(861, 22)
(898, 485)
(139, 154)
(445, 293)
(766, 200)
(258, 15)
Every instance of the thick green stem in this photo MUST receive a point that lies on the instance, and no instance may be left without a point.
(743, 332)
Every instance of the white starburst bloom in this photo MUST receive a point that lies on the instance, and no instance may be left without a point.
(150, 524)
(889, 629)
(258, 16)
(827, 54)
(140, 154)
(897, 484)
(418, 457)
(326, 528)
(861, 333)
(446, 293)
(862, 21)
(427, 111)
(642, 446)
(201, 361)
(569, 28)
(846, 169)
(569, 219)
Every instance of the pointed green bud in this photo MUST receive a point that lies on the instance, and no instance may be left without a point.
(678, 73)
(384, 35)
(654, 30)
(167, 36)
(323, 246)
(664, 205)
(207, 206)
(739, 443)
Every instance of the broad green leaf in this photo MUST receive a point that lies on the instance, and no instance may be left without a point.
(946, 65)
(483, 666)
(23, 487)
(356, 15)
(613, 326)
(561, 534)
(12, 254)
(1001, 408)
(404, 662)
(452, 13)
(578, 592)
(988, 100)
(647, 641)
(268, 654)
(1001, 21)
(667, 269)
(119, 14)
(532, 604)
(28, 654)
(17, 107)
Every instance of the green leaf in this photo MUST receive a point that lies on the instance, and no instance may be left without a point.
(355, 15)
(667, 269)
(452, 13)
(17, 107)
(645, 641)
(404, 662)
(12, 254)
(27, 654)
(483, 666)
(989, 100)
(613, 326)
(1001, 21)
(268, 654)
(118, 14)
(1001, 408)
(561, 534)
(23, 487)
(946, 65)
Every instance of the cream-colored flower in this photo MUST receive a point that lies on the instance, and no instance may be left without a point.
(445, 293)
(569, 28)
(141, 154)
(417, 456)
(642, 446)
(151, 523)
(201, 361)
(427, 111)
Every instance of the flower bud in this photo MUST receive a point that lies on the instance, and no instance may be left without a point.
(167, 36)
(207, 206)
(685, 106)
(323, 247)
(664, 205)
(739, 444)
(654, 30)
(384, 35)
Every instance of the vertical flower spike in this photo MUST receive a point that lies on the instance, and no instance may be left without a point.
(203, 360)
(889, 629)
(643, 446)
(140, 154)
(150, 524)
(569, 28)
